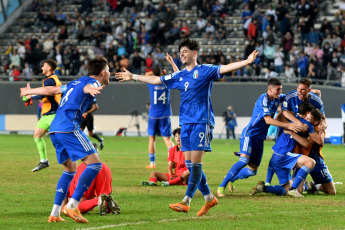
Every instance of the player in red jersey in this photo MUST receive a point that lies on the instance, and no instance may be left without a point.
(97, 194)
(176, 161)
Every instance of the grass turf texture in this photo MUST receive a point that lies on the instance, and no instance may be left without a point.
(27, 198)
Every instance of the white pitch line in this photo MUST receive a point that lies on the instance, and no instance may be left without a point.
(204, 217)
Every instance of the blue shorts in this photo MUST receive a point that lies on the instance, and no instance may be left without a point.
(196, 137)
(253, 148)
(163, 125)
(282, 165)
(321, 174)
(74, 145)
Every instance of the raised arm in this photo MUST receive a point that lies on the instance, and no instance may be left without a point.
(237, 65)
(47, 90)
(90, 89)
(171, 61)
(128, 76)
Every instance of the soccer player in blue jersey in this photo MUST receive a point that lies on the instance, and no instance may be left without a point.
(196, 114)
(159, 113)
(284, 160)
(254, 134)
(70, 142)
(295, 98)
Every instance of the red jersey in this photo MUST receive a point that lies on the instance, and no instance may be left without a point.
(176, 156)
(101, 184)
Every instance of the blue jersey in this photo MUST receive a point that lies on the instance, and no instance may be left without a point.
(73, 104)
(160, 101)
(257, 126)
(195, 87)
(286, 143)
(292, 102)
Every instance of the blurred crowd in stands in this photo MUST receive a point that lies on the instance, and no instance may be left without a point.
(282, 31)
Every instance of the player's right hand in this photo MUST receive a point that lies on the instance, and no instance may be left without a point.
(24, 91)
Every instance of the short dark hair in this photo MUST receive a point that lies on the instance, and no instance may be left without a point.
(52, 63)
(96, 65)
(317, 115)
(156, 71)
(305, 107)
(306, 81)
(177, 130)
(191, 44)
(274, 81)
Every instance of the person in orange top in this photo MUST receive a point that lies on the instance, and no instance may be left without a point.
(176, 161)
(49, 107)
(99, 192)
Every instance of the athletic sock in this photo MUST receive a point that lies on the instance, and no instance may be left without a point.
(187, 199)
(194, 179)
(87, 205)
(305, 187)
(42, 149)
(188, 164)
(61, 191)
(203, 186)
(276, 189)
(176, 181)
(244, 174)
(97, 137)
(152, 157)
(234, 170)
(318, 187)
(270, 173)
(84, 183)
(300, 176)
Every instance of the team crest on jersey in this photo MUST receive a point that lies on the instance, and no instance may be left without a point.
(195, 74)
(285, 104)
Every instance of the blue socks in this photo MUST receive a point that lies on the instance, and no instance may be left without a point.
(194, 179)
(152, 157)
(300, 176)
(86, 179)
(62, 187)
(277, 189)
(235, 169)
(203, 186)
(243, 174)
(270, 173)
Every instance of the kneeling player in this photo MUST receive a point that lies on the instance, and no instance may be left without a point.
(283, 160)
(97, 194)
(175, 160)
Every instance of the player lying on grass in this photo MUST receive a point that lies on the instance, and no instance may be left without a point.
(97, 194)
(178, 173)
(284, 160)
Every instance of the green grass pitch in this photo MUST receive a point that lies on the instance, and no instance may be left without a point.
(26, 198)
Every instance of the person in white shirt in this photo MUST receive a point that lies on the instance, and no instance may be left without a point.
(278, 60)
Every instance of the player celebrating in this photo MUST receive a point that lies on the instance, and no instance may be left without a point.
(96, 194)
(284, 160)
(196, 114)
(159, 113)
(70, 142)
(254, 134)
(49, 106)
(87, 121)
(175, 160)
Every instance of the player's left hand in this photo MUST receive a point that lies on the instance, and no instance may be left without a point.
(124, 76)
(24, 90)
(251, 58)
(173, 177)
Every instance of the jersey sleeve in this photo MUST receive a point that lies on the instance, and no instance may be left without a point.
(265, 108)
(49, 82)
(171, 81)
(286, 106)
(63, 88)
(213, 71)
(171, 154)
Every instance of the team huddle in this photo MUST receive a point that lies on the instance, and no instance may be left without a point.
(298, 145)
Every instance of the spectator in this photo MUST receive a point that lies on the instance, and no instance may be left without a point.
(27, 72)
(343, 86)
(149, 63)
(118, 31)
(252, 33)
(269, 51)
(158, 55)
(14, 74)
(287, 45)
(137, 62)
(304, 30)
(21, 51)
(313, 36)
(278, 61)
(174, 33)
(210, 31)
(220, 32)
(14, 59)
(303, 65)
(289, 74)
(63, 34)
(326, 25)
(270, 73)
(307, 49)
(312, 71)
(83, 70)
(184, 31)
(60, 18)
(200, 25)
(332, 68)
